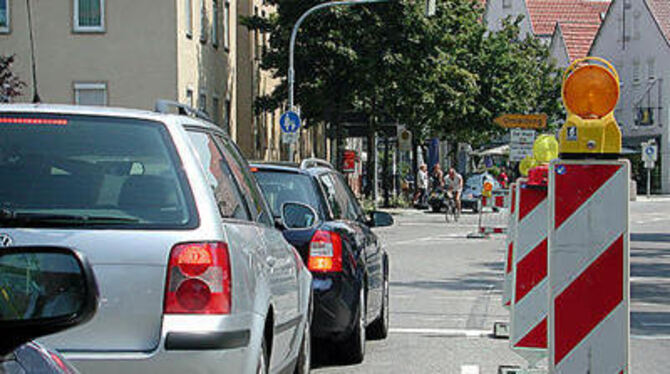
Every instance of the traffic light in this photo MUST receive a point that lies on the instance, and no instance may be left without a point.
(590, 93)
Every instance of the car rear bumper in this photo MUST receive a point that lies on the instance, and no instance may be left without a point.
(335, 300)
(189, 344)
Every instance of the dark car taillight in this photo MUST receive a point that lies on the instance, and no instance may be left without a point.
(325, 252)
(198, 279)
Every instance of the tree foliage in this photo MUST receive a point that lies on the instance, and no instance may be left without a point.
(445, 75)
(10, 84)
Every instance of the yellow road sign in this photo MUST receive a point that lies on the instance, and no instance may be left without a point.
(524, 121)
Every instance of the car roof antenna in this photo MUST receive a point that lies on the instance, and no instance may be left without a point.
(36, 96)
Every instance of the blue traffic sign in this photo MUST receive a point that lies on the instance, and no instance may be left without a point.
(650, 150)
(289, 122)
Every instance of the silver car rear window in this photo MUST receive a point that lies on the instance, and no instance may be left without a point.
(100, 171)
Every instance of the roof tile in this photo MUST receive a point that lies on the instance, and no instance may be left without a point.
(660, 9)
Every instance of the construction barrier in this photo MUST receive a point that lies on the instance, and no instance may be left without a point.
(511, 234)
(495, 223)
(589, 267)
(528, 332)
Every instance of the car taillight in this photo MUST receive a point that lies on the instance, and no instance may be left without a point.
(325, 252)
(198, 279)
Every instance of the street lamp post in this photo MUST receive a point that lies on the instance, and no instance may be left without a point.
(294, 33)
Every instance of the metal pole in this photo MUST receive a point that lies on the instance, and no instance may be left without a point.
(648, 183)
(294, 33)
(291, 49)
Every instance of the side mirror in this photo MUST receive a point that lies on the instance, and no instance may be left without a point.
(43, 290)
(296, 215)
(380, 219)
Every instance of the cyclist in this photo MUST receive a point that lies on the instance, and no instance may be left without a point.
(455, 185)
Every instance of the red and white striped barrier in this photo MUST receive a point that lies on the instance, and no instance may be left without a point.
(589, 267)
(509, 247)
(528, 333)
(499, 199)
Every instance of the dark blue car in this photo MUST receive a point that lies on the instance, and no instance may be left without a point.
(349, 265)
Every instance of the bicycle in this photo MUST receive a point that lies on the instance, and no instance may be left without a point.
(452, 208)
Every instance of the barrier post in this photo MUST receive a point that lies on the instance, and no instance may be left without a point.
(589, 296)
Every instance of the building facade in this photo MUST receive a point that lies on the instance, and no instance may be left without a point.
(126, 53)
(635, 37)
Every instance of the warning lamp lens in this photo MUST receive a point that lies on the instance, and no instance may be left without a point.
(254, 170)
(591, 92)
(488, 186)
(545, 148)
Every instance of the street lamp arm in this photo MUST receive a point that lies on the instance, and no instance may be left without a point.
(294, 33)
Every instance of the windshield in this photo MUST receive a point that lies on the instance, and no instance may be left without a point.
(279, 187)
(100, 171)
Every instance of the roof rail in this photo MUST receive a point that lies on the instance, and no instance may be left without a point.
(163, 106)
(315, 162)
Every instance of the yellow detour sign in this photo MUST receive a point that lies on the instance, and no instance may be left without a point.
(523, 121)
(590, 94)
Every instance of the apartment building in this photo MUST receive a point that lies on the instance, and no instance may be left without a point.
(635, 38)
(126, 53)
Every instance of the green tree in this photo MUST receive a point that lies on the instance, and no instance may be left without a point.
(10, 84)
(444, 75)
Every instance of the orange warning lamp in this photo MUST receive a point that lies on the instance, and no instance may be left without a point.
(590, 93)
(488, 187)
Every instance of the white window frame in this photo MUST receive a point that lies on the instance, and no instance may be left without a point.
(78, 86)
(75, 19)
(5, 29)
(190, 97)
(188, 17)
(226, 25)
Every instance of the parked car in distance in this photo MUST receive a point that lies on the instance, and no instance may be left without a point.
(193, 275)
(472, 190)
(43, 290)
(348, 262)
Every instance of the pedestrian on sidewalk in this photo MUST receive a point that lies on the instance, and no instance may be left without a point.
(422, 186)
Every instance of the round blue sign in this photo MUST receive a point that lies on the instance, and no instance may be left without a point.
(649, 150)
(289, 122)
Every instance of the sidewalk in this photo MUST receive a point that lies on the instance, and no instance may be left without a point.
(653, 198)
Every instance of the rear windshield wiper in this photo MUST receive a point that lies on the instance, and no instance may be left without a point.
(10, 217)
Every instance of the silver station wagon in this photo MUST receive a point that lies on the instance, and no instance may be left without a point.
(193, 275)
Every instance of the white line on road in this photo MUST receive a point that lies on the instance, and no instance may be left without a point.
(442, 332)
(650, 337)
(469, 369)
(659, 324)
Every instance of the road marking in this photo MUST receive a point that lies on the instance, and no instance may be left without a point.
(660, 324)
(469, 369)
(442, 332)
(650, 337)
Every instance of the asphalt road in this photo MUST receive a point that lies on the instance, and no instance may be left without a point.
(446, 295)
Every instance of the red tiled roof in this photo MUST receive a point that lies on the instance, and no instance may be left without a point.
(544, 14)
(660, 9)
(578, 38)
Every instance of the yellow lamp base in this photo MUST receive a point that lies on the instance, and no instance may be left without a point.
(592, 137)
